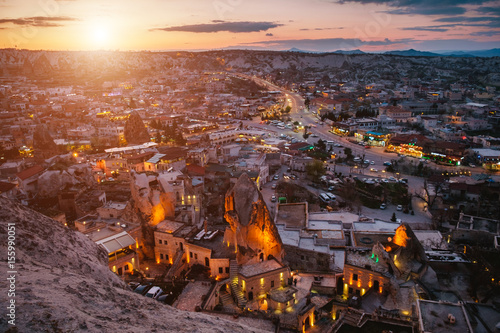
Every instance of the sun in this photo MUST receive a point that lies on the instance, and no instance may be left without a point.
(100, 35)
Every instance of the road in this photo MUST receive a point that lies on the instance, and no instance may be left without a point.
(376, 154)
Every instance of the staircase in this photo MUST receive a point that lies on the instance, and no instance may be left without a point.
(238, 295)
(353, 318)
(177, 261)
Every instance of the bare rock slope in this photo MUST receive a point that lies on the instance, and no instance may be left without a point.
(64, 285)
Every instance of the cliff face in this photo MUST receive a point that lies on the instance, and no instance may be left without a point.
(252, 231)
(63, 284)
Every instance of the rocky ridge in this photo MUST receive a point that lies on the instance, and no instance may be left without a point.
(64, 284)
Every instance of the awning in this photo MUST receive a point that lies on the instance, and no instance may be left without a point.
(116, 242)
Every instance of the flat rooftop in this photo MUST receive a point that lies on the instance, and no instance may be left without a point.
(292, 215)
(168, 226)
(216, 244)
(430, 239)
(344, 217)
(368, 239)
(363, 259)
(434, 317)
(375, 225)
(259, 268)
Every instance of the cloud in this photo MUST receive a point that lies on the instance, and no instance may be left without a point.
(269, 34)
(324, 44)
(218, 25)
(486, 33)
(436, 29)
(471, 21)
(39, 21)
(422, 7)
(489, 10)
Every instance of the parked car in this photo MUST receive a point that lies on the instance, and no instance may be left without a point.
(273, 198)
(331, 188)
(331, 196)
(276, 177)
(166, 298)
(399, 207)
(134, 285)
(387, 163)
(142, 289)
(383, 206)
(472, 165)
(273, 186)
(154, 292)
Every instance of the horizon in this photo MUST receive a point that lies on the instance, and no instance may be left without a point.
(313, 26)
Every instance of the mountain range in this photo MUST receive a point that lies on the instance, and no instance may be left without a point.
(416, 53)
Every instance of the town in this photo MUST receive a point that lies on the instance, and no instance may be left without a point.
(300, 192)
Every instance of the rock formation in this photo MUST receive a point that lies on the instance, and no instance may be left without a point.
(252, 231)
(63, 284)
(51, 182)
(135, 131)
(154, 205)
(43, 143)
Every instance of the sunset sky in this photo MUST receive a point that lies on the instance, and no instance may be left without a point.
(314, 25)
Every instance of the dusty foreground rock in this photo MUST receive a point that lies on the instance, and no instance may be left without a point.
(64, 285)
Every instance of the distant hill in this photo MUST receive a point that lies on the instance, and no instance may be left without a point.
(357, 51)
(478, 53)
(413, 53)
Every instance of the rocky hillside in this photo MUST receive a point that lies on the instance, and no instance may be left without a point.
(100, 65)
(63, 284)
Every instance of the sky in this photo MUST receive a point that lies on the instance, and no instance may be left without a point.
(312, 25)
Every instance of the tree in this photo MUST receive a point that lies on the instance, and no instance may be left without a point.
(315, 170)
(135, 131)
(320, 144)
(348, 154)
(393, 218)
(288, 109)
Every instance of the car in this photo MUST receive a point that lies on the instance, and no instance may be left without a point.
(134, 285)
(273, 186)
(399, 207)
(366, 161)
(385, 180)
(273, 198)
(383, 206)
(166, 298)
(372, 162)
(387, 163)
(331, 196)
(331, 188)
(293, 177)
(276, 177)
(314, 135)
(142, 289)
(472, 165)
(154, 292)
(373, 170)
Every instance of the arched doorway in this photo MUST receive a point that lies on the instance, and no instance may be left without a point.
(263, 304)
(307, 323)
(261, 256)
(250, 295)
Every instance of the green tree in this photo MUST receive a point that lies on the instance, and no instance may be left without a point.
(288, 109)
(320, 145)
(348, 154)
(393, 218)
(315, 170)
